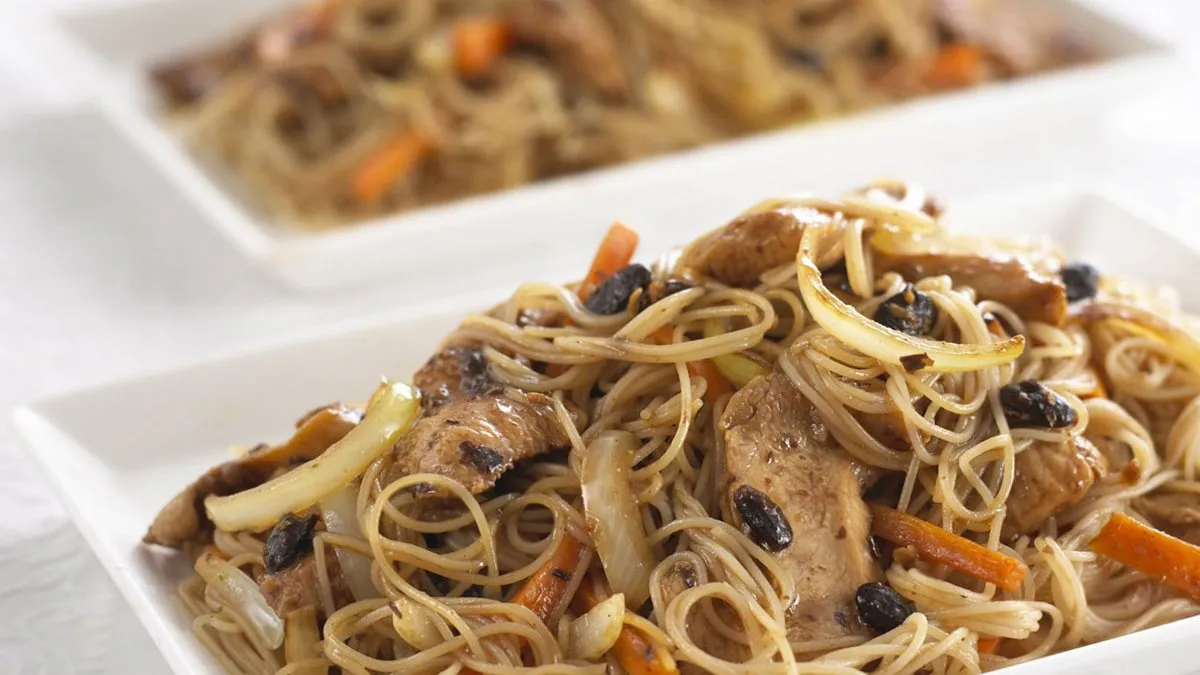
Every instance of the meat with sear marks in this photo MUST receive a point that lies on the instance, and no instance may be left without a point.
(298, 585)
(750, 245)
(183, 520)
(473, 429)
(1020, 275)
(1049, 478)
(779, 461)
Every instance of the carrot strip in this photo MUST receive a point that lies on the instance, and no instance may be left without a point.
(382, 169)
(1153, 553)
(987, 645)
(947, 548)
(636, 654)
(478, 43)
(543, 592)
(615, 253)
(955, 65)
(718, 384)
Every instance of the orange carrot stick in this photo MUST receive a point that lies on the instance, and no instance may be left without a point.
(718, 384)
(615, 253)
(636, 654)
(955, 65)
(382, 169)
(946, 548)
(544, 591)
(1156, 554)
(478, 44)
(987, 645)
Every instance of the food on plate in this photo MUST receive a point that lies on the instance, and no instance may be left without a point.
(830, 436)
(339, 110)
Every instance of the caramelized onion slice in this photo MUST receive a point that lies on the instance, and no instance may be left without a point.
(1145, 323)
(885, 344)
(339, 511)
(391, 412)
(613, 517)
(238, 590)
(594, 633)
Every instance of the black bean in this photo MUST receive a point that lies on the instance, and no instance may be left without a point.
(762, 519)
(1032, 404)
(910, 311)
(289, 542)
(612, 297)
(880, 607)
(1081, 280)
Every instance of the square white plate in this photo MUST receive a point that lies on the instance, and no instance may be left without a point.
(118, 452)
(108, 49)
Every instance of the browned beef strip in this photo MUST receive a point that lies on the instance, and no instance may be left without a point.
(1050, 477)
(183, 520)
(741, 251)
(776, 444)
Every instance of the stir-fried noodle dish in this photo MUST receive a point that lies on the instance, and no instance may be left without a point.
(829, 436)
(347, 109)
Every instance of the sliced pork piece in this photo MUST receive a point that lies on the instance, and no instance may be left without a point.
(183, 520)
(1022, 276)
(1050, 477)
(1176, 513)
(780, 460)
(750, 245)
(576, 33)
(473, 429)
(299, 586)
(475, 440)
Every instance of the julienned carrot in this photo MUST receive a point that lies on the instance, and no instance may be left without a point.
(1153, 553)
(636, 654)
(946, 548)
(718, 384)
(478, 43)
(382, 169)
(615, 253)
(955, 65)
(987, 645)
(544, 591)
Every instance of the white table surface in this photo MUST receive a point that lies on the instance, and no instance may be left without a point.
(104, 269)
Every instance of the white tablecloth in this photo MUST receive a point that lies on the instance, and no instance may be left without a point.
(105, 269)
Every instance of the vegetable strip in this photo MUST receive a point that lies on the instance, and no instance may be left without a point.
(636, 654)
(1156, 554)
(478, 43)
(382, 169)
(615, 253)
(947, 548)
(545, 590)
(955, 65)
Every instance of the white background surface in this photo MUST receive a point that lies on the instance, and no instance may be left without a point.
(104, 269)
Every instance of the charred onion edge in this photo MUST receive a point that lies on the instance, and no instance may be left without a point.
(880, 342)
(392, 410)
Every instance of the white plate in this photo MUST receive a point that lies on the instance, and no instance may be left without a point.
(108, 50)
(118, 452)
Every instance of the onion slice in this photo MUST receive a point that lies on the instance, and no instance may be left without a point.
(885, 344)
(301, 634)
(1148, 324)
(594, 633)
(339, 511)
(613, 517)
(413, 625)
(240, 592)
(391, 412)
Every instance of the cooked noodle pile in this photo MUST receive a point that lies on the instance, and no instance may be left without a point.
(347, 109)
(651, 491)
